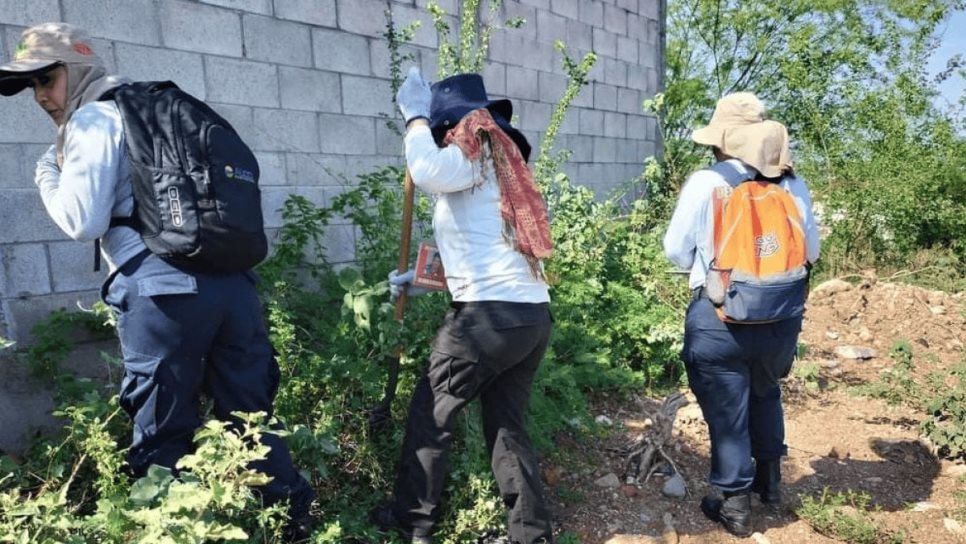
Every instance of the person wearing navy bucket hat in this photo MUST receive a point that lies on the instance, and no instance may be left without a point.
(492, 231)
(458, 95)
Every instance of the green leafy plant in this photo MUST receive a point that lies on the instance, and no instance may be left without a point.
(845, 516)
(548, 164)
(945, 425)
(83, 494)
(55, 337)
(468, 52)
(568, 538)
(808, 373)
(897, 385)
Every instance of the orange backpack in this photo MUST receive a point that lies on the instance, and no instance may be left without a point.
(759, 273)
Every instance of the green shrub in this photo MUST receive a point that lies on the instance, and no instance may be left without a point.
(945, 424)
(86, 496)
(844, 516)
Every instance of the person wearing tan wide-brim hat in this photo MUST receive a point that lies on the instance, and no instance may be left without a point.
(738, 129)
(733, 369)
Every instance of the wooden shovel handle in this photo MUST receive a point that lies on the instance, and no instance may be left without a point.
(405, 241)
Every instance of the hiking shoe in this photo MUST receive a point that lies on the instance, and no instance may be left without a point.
(733, 512)
(384, 517)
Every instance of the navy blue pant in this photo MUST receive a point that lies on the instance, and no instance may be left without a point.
(733, 371)
(184, 335)
(489, 350)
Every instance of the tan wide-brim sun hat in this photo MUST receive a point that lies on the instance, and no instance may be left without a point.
(739, 129)
(41, 47)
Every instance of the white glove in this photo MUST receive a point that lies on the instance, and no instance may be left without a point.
(414, 96)
(399, 281)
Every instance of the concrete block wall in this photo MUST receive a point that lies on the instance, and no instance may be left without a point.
(306, 83)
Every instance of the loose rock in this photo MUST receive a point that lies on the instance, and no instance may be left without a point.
(760, 538)
(855, 352)
(831, 287)
(604, 420)
(610, 480)
(675, 487)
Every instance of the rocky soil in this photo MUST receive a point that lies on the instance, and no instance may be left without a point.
(838, 438)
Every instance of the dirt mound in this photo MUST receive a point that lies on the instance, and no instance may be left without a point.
(878, 314)
(837, 440)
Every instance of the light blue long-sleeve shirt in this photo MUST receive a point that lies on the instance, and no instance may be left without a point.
(93, 184)
(688, 242)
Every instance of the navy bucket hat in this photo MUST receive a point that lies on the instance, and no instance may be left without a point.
(458, 95)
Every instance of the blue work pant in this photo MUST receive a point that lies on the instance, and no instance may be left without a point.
(489, 350)
(184, 335)
(734, 371)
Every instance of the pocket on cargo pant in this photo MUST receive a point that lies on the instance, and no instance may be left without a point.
(454, 367)
(174, 282)
(138, 394)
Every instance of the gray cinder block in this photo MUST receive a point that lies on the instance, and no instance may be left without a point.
(313, 12)
(285, 130)
(25, 271)
(201, 28)
(241, 82)
(340, 52)
(142, 63)
(281, 42)
(72, 267)
(134, 21)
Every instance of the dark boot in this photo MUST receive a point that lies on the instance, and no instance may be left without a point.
(299, 529)
(384, 517)
(301, 522)
(734, 512)
(767, 482)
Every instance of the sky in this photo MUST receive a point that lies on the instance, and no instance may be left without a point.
(953, 41)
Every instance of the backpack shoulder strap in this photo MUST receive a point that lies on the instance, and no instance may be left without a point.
(131, 100)
(137, 87)
(731, 174)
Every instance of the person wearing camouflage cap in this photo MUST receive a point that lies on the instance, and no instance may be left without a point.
(182, 332)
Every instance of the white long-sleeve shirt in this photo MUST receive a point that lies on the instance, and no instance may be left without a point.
(480, 264)
(689, 243)
(94, 183)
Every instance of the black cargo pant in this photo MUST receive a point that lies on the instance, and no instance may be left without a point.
(489, 350)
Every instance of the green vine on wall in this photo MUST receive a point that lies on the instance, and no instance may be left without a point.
(468, 54)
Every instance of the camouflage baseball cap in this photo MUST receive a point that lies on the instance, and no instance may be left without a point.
(41, 47)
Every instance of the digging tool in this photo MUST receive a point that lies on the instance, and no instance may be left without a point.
(381, 416)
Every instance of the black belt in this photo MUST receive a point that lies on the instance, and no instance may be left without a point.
(698, 292)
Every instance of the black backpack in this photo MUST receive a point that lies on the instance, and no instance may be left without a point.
(196, 198)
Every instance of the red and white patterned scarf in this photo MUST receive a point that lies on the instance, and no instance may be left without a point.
(526, 224)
